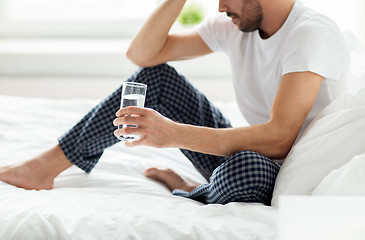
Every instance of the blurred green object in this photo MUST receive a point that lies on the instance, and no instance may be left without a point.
(191, 14)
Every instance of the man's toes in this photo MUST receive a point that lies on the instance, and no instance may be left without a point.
(151, 172)
(158, 174)
(167, 176)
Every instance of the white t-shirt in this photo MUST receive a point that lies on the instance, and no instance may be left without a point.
(307, 41)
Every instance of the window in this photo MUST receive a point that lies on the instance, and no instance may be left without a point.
(78, 18)
(75, 18)
(121, 18)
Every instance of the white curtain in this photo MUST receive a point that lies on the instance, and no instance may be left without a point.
(349, 14)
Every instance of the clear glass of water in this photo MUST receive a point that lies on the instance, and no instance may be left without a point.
(133, 94)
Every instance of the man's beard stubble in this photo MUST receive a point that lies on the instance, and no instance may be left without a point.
(252, 22)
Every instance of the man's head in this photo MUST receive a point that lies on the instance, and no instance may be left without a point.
(246, 14)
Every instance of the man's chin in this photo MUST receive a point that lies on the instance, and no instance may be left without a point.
(246, 29)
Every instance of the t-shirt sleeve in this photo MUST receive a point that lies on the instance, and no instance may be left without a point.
(215, 33)
(318, 49)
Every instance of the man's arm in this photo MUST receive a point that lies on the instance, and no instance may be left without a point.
(295, 97)
(294, 100)
(153, 44)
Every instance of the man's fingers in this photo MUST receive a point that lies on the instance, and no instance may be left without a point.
(131, 111)
(130, 130)
(128, 119)
(133, 143)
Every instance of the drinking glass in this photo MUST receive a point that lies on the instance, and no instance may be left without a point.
(133, 94)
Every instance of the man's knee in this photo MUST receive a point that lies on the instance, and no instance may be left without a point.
(159, 79)
(144, 75)
(245, 177)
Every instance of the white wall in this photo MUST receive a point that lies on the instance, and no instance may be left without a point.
(104, 57)
(349, 14)
(77, 61)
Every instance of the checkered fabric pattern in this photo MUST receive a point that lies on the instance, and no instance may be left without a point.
(245, 177)
(173, 96)
(168, 93)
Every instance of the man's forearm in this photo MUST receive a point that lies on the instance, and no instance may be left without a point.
(266, 139)
(152, 37)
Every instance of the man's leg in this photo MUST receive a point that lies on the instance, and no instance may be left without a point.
(82, 146)
(173, 96)
(168, 93)
(245, 177)
(37, 173)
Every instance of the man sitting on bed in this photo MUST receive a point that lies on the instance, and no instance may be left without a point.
(288, 63)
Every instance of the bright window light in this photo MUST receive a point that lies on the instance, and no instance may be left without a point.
(109, 18)
(89, 10)
(81, 18)
(78, 10)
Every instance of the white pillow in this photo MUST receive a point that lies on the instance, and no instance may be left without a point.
(348, 180)
(330, 141)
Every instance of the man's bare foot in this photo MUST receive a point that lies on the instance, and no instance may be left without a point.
(37, 173)
(23, 176)
(171, 179)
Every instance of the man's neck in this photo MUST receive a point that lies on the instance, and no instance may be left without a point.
(275, 14)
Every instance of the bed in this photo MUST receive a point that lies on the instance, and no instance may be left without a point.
(116, 201)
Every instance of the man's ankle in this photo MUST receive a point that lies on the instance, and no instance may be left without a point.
(54, 161)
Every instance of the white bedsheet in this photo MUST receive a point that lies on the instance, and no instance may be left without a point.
(115, 201)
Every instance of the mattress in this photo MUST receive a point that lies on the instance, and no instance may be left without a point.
(114, 201)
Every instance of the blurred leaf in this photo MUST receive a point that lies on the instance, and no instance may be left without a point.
(191, 14)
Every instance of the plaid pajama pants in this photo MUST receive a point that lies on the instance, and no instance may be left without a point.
(243, 177)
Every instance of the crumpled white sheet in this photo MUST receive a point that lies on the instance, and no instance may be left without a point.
(115, 201)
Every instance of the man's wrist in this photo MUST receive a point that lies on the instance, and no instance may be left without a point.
(180, 135)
